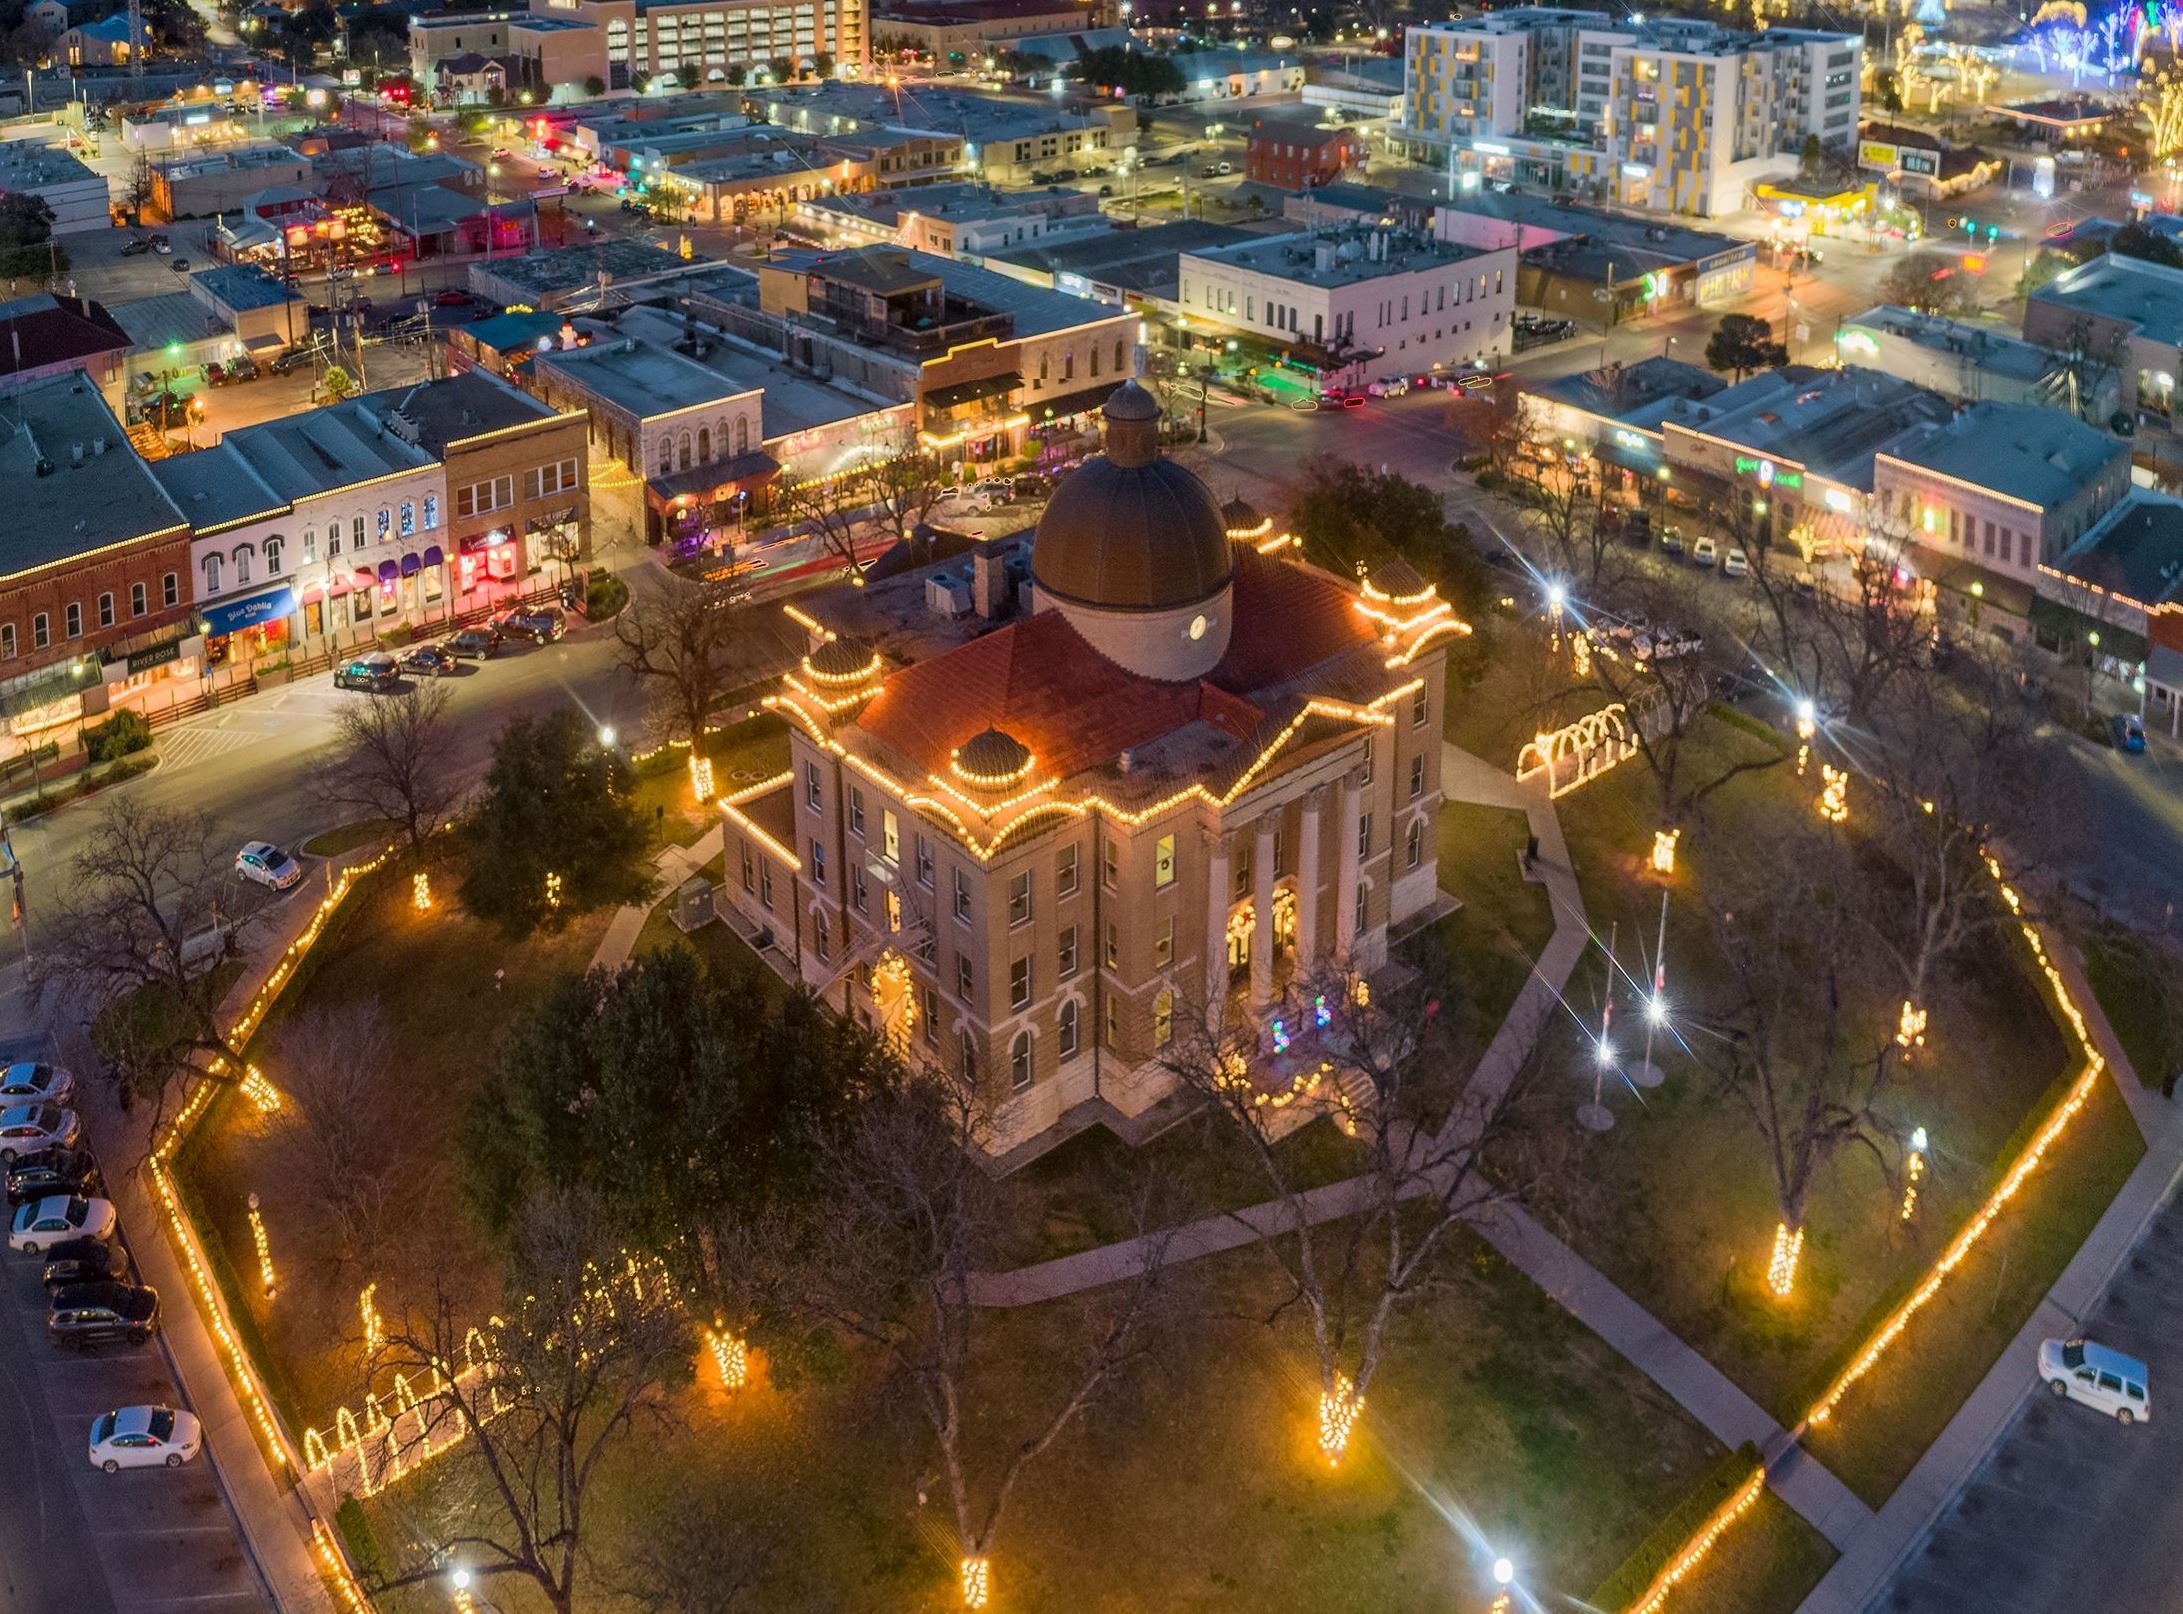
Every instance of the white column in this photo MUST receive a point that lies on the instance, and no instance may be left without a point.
(1262, 912)
(1307, 883)
(1216, 925)
(1345, 880)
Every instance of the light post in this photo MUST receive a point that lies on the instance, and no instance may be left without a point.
(1646, 1073)
(1595, 1116)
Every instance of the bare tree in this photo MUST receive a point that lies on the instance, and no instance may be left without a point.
(393, 758)
(890, 489)
(703, 1548)
(151, 906)
(678, 635)
(1788, 1029)
(339, 1156)
(904, 1217)
(1417, 1179)
(2084, 367)
(1840, 648)
(578, 1360)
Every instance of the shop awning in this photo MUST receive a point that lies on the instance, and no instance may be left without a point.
(410, 565)
(365, 577)
(2051, 619)
(739, 474)
(234, 615)
(433, 557)
(388, 571)
(963, 392)
(1073, 403)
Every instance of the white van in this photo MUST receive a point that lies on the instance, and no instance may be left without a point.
(2078, 1370)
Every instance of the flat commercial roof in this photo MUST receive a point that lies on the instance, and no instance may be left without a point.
(2026, 451)
(2147, 295)
(323, 449)
(2135, 550)
(173, 316)
(32, 165)
(1834, 423)
(1993, 351)
(244, 286)
(1133, 260)
(565, 268)
(216, 486)
(1295, 256)
(1036, 311)
(466, 404)
(109, 498)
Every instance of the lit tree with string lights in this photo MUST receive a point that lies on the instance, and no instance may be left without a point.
(1785, 1027)
(2160, 102)
(1374, 1064)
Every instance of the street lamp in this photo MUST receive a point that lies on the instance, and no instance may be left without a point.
(606, 736)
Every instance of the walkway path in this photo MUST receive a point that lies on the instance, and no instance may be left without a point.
(1861, 1575)
(675, 864)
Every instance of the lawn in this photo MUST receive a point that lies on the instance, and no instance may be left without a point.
(452, 987)
(742, 754)
(1498, 1425)
(2136, 980)
(716, 943)
(1767, 1562)
(348, 837)
(1502, 686)
(1677, 1204)
(1487, 946)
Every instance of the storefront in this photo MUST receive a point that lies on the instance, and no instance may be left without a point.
(703, 508)
(249, 628)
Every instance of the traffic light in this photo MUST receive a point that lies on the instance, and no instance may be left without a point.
(1970, 226)
(1993, 232)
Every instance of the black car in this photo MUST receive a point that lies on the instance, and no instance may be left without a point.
(376, 672)
(87, 1314)
(294, 359)
(474, 644)
(543, 623)
(136, 249)
(429, 659)
(85, 1261)
(54, 1171)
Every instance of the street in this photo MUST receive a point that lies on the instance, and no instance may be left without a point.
(2072, 1510)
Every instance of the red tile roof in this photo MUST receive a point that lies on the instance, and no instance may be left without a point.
(1038, 679)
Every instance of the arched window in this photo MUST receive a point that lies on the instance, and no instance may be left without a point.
(1095, 364)
(1414, 848)
(1068, 365)
(409, 517)
(273, 546)
(386, 522)
(1120, 363)
(1068, 1029)
(704, 445)
(742, 435)
(212, 574)
(1163, 1017)
(310, 545)
(666, 455)
(244, 554)
(356, 533)
(1045, 367)
(1019, 1062)
(685, 451)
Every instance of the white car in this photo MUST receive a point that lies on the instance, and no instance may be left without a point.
(266, 864)
(1735, 564)
(145, 1437)
(2103, 1379)
(28, 1083)
(1704, 552)
(58, 1217)
(27, 1128)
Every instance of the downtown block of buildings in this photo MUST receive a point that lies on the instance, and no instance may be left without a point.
(1666, 114)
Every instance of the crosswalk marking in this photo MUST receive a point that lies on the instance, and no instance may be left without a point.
(178, 748)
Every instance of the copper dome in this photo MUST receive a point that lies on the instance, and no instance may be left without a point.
(992, 759)
(1131, 530)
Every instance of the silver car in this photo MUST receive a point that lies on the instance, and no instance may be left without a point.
(266, 864)
(28, 1083)
(27, 1128)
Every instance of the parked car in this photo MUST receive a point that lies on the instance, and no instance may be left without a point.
(1393, 387)
(543, 623)
(263, 863)
(28, 1128)
(294, 358)
(27, 1082)
(158, 244)
(85, 1261)
(145, 1437)
(61, 1216)
(1671, 541)
(179, 265)
(136, 249)
(1039, 176)
(375, 672)
(473, 644)
(453, 297)
(1062, 176)
(2128, 730)
(240, 368)
(53, 1171)
(2079, 1370)
(81, 1315)
(166, 410)
(1735, 564)
(430, 660)
(1704, 552)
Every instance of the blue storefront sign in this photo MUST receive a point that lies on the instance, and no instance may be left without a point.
(235, 615)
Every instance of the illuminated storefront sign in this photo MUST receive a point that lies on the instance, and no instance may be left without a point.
(1768, 476)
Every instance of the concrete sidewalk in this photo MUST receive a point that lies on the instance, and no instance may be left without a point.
(675, 865)
(1863, 1572)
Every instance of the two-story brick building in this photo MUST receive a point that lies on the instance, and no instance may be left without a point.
(1050, 802)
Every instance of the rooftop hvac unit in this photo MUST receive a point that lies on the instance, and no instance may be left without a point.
(947, 595)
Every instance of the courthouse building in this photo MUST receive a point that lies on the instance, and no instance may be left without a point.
(1051, 798)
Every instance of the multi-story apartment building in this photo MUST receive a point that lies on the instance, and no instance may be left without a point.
(1669, 114)
(1005, 142)
(1355, 301)
(697, 41)
(1046, 809)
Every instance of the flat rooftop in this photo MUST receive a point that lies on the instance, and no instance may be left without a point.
(467, 404)
(2147, 295)
(216, 486)
(792, 402)
(1144, 260)
(32, 165)
(1989, 350)
(2026, 451)
(2135, 550)
(323, 449)
(1295, 256)
(566, 268)
(173, 316)
(1035, 310)
(1633, 393)
(109, 498)
(832, 107)
(1834, 423)
(241, 287)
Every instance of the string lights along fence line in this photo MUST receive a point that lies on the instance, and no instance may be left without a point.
(1891, 1330)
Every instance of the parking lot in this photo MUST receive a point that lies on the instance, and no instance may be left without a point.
(77, 1541)
(2073, 1510)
